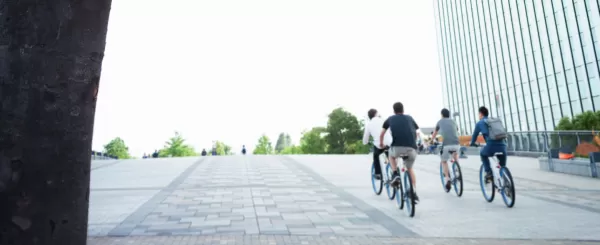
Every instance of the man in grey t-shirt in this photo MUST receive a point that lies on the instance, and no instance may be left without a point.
(449, 131)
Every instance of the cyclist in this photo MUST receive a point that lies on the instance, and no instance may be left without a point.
(404, 142)
(373, 129)
(449, 131)
(491, 146)
(244, 149)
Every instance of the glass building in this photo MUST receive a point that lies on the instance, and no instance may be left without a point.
(531, 62)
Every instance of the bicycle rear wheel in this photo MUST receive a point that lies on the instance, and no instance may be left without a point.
(487, 189)
(508, 187)
(391, 191)
(457, 182)
(377, 184)
(399, 195)
(409, 197)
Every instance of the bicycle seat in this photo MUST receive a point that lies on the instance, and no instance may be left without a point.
(452, 152)
(498, 154)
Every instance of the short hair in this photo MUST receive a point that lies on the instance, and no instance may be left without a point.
(372, 113)
(484, 111)
(398, 107)
(445, 113)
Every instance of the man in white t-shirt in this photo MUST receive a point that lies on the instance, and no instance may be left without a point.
(373, 129)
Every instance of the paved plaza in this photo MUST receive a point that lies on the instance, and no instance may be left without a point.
(327, 199)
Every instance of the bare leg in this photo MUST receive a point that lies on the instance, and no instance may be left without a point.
(394, 163)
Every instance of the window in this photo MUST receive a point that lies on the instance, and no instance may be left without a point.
(566, 108)
(563, 93)
(595, 83)
(587, 104)
(553, 96)
(597, 101)
(576, 107)
(573, 91)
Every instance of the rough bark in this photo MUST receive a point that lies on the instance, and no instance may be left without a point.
(50, 60)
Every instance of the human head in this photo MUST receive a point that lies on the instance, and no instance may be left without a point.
(398, 108)
(483, 112)
(445, 113)
(372, 113)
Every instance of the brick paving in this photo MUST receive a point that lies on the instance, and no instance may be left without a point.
(326, 200)
(315, 240)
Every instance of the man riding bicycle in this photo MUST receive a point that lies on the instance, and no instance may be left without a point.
(373, 129)
(449, 131)
(404, 143)
(491, 145)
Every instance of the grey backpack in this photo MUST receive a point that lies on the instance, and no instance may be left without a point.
(496, 129)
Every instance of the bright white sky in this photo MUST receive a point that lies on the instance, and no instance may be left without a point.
(232, 70)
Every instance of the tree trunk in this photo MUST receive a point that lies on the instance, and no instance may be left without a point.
(50, 60)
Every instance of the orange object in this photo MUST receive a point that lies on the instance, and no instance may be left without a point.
(565, 156)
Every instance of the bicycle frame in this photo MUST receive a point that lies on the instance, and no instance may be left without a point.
(498, 181)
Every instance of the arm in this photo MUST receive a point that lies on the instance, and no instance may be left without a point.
(475, 133)
(386, 125)
(366, 135)
(437, 128)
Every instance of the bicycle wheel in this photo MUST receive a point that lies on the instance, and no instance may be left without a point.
(377, 184)
(442, 178)
(508, 188)
(391, 191)
(457, 182)
(409, 196)
(487, 194)
(399, 195)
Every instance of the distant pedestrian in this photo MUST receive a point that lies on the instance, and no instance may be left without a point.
(155, 154)
(204, 153)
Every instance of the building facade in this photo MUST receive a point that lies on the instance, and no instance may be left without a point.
(531, 62)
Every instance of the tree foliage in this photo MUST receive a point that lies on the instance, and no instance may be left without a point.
(343, 130)
(588, 120)
(313, 142)
(118, 148)
(292, 150)
(283, 141)
(176, 147)
(264, 146)
(223, 149)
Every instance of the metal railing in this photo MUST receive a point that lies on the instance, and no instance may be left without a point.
(102, 156)
(543, 141)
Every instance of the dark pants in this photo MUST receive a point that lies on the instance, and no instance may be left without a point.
(488, 151)
(376, 153)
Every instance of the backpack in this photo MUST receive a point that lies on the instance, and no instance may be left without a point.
(496, 129)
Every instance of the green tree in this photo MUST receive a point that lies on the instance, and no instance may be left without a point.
(118, 148)
(343, 129)
(283, 141)
(264, 146)
(176, 147)
(223, 149)
(292, 150)
(312, 141)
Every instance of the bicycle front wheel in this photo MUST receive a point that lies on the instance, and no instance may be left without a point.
(377, 184)
(487, 189)
(409, 197)
(457, 182)
(508, 187)
(391, 191)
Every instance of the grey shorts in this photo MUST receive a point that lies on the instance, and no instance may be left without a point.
(408, 154)
(445, 152)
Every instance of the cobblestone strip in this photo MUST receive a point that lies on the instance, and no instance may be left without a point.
(316, 240)
(126, 227)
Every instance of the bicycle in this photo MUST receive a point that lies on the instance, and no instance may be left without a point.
(455, 175)
(385, 179)
(502, 181)
(405, 190)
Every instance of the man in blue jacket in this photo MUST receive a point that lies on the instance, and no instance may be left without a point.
(491, 146)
